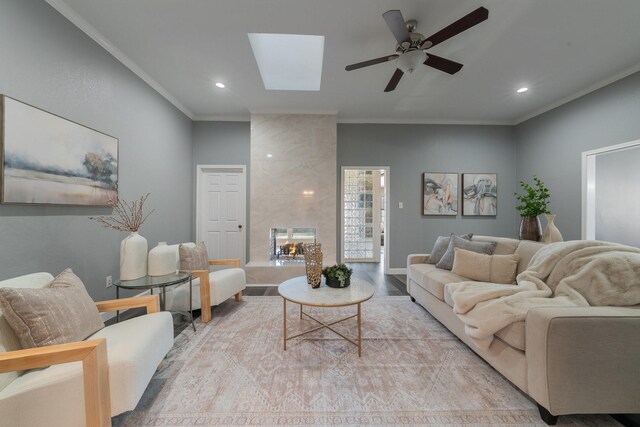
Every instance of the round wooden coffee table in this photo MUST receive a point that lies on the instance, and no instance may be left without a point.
(298, 291)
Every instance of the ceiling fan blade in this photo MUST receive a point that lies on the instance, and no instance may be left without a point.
(395, 79)
(396, 24)
(442, 64)
(370, 62)
(462, 24)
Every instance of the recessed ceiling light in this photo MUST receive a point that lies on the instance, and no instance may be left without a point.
(269, 155)
(288, 61)
(220, 85)
(522, 90)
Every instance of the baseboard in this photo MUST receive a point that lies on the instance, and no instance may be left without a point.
(396, 271)
(111, 314)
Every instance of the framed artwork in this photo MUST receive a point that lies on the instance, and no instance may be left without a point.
(440, 193)
(46, 159)
(479, 194)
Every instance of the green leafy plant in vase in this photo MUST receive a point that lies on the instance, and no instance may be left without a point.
(337, 276)
(533, 202)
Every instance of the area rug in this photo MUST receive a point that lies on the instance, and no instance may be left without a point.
(413, 371)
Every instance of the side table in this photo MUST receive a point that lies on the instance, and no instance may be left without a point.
(151, 282)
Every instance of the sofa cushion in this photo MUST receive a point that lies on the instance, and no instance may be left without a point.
(513, 335)
(59, 313)
(504, 245)
(447, 296)
(485, 268)
(526, 250)
(446, 262)
(433, 279)
(441, 246)
(135, 348)
(194, 258)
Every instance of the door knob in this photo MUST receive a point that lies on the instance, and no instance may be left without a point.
(240, 227)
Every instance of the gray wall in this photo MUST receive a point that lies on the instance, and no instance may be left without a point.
(50, 63)
(410, 150)
(551, 144)
(222, 143)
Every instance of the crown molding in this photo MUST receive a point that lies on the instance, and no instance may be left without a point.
(602, 83)
(293, 111)
(217, 118)
(66, 11)
(396, 121)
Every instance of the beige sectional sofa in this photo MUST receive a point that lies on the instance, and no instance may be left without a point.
(570, 360)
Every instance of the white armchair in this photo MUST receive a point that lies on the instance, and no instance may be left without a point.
(110, 370)
(213, 286)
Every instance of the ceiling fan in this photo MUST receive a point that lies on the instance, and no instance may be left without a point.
(411, 47)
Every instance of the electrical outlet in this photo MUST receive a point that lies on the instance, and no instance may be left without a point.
(109, 281)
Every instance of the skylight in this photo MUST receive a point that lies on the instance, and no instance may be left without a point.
(289, 61)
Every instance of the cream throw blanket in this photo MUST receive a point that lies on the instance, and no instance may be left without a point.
(567, 274)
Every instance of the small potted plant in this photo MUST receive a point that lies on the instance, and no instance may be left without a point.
(337, 276)
(533, 202)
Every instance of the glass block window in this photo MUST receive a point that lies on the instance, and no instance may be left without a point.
(358, 215)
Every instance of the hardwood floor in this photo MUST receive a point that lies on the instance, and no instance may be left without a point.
(373, 273)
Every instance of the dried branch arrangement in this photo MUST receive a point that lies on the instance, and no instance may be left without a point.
(127, 216)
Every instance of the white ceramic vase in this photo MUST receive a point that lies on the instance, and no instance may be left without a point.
(133, 257)
(162, 260)
(551, 232)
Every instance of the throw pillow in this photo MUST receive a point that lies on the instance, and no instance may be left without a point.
(59, 313)
(441, 246)
(194, 258)
(446, 262)
(485, 268)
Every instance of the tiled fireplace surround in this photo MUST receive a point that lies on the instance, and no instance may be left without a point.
(293, 184)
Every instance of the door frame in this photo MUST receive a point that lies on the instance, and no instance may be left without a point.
(201, 171)
(387, 211)
(588, 184)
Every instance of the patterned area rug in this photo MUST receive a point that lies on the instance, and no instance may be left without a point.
(234, 372)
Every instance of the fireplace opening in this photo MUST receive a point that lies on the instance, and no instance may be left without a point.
(287, 244)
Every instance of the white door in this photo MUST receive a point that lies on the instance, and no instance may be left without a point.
(221, 216)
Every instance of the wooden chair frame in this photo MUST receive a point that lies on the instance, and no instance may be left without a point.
(205, 286)
(92, 354)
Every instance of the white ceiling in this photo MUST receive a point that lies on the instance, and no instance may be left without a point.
(559, 48)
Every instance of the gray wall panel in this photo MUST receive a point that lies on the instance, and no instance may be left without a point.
(222, 143)
(50, 63)
(410, 150)
(551, 144)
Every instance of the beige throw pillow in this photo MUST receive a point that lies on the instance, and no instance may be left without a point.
(195, 258)
(59, 313)
(485, 268)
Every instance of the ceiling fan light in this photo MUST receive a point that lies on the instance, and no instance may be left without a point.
(409, 61)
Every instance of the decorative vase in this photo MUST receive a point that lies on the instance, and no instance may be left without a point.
(335, 283)
(530, 228)
(551, 232)
(313, 263)
(133, 257)
(162, 260)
